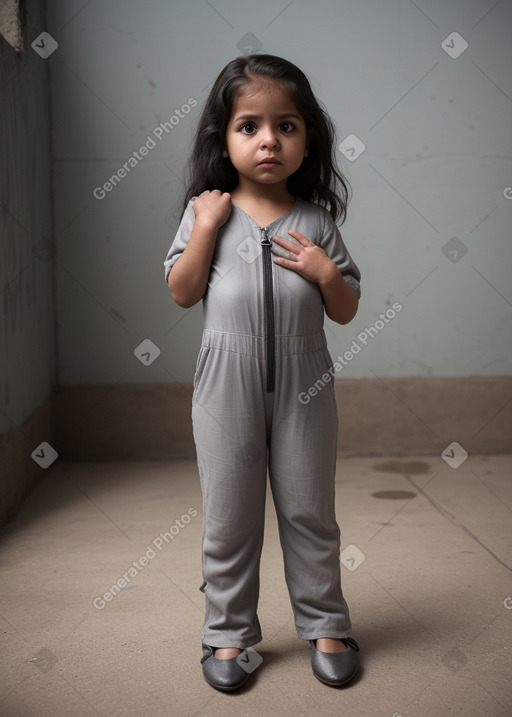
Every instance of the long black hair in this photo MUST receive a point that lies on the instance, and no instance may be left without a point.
(317, 180)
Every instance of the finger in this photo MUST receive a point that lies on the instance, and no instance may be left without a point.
(287, 244)
(280, 251)
(300, 237)
(287, 263)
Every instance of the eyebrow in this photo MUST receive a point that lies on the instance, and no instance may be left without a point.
(258, 117)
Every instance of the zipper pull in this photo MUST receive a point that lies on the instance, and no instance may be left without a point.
(265, 241)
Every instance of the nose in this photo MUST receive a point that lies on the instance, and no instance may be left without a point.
(269, 137)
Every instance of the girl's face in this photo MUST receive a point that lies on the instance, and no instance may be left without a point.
(265, 124)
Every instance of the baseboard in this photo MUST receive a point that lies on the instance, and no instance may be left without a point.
(422, 416)
(19, 471)
(393, 417)
(124, 421)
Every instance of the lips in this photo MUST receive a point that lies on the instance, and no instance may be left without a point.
(270, 160)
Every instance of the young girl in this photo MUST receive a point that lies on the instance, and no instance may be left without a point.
(258, 246)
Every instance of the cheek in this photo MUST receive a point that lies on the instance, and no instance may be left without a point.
(238, 145)
(245, 151)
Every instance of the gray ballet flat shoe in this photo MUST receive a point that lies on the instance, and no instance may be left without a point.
(226, 675)
(335, 668)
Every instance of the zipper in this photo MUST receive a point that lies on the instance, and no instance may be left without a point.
(269, 311)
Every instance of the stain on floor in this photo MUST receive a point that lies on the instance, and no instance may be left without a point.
(404, 468)
(394, 494)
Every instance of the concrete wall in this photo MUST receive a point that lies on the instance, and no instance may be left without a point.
(435, 167)
(27, 337)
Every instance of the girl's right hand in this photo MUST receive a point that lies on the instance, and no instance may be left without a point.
(213, 208)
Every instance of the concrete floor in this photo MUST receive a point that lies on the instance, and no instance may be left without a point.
(431, 603)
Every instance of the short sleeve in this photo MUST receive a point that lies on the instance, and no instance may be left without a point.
(180, 240)
(333, 245)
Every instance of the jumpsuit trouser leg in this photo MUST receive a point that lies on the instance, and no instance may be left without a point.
(229, 423)
(235, 422)
(302, 469)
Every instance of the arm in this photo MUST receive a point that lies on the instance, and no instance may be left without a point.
(340, 299)
(189, 275)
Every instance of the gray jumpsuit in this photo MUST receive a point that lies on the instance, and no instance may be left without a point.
(263, 345)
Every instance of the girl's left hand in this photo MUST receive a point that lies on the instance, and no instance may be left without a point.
(307, 259)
